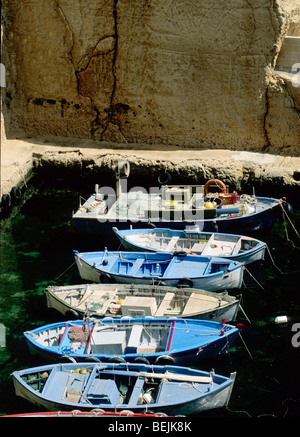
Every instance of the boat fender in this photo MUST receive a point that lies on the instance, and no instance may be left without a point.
(185, 283)
(125, 412)
(179, 253)
(147, 398)
(116, 359)
(164, 178)
(287, 206)
(72, 314)
(164, 360)
(123, 169)
(15, 194)
(159, 282)
(217, 182)
(141, 360)
(97, 410)
(6, 201)
(93, 359)
(67, 358)
(105, 278)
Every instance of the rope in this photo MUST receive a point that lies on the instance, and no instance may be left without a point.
(273, 260)
(65, 270)
(254, 278)
(245, 314)
(246, 346)
(284, 215)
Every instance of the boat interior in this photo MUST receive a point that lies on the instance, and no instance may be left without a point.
(195, 243)
(98, 386)
(106, 339)
(141, 301)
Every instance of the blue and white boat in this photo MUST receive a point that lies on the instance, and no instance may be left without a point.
(172, 341)
(172, 390)
(234, 247)
(162, 268)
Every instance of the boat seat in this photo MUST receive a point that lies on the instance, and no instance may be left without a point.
(103, 391)
(170, 246)
(237, 247)
(164, 303)
(136, 390)
(135, 267)
(134, 339)
(198, 247)
(62, 384)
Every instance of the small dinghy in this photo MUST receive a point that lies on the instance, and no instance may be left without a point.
(115, 387)
(162, 268)
(234, 247)
(172, 341)
(117, 300)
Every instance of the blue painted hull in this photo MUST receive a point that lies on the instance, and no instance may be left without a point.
(253, 251)
(86, 386)
(256, 222)
(187, 341)
(163, 268)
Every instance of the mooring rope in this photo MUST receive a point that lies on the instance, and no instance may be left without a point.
(285, 215)
(65, 270)
(269, 252)
(254, 278)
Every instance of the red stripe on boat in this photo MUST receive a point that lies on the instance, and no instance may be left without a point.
(171, 335)
(87, 346)
(63, 334)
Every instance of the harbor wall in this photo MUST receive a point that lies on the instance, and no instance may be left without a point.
(186, 73)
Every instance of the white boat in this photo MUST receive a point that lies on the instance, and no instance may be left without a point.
(234, 247)
(118, 300)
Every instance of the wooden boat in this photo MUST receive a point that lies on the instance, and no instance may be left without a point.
(140, 388)
(175, 206)
(234, 247)
(163, 268)
(117, 300)
(176, 341)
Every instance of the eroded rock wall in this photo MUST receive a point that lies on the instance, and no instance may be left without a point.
(193, 73)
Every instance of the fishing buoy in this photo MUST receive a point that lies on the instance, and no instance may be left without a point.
(208, 205)
(279, 320)
(120, 301)
(283, 320)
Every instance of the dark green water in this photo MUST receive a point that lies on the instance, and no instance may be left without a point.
(36, 250)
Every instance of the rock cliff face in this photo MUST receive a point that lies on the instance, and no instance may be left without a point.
(193, 73)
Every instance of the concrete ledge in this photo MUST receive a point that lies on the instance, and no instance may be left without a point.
(20, 158)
